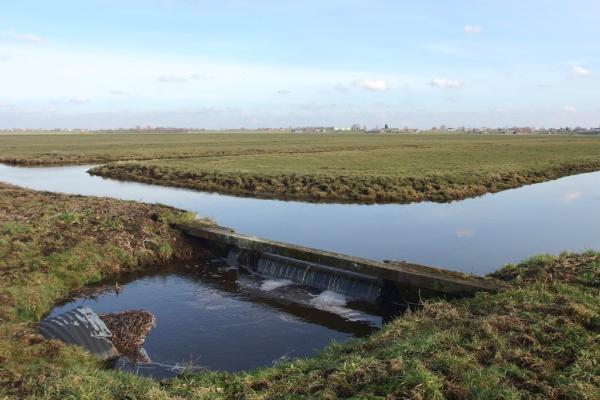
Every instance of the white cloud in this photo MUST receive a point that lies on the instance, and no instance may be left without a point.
(172, 79)
(579, 71)
(184, 78)
(13, 35)
(445, 83)
(196, 77)
(376, 85)
(26, 79)
(473, 29)
(118, 93)
(569, 108)
(79, 100)
(464, 232)
(284, 92)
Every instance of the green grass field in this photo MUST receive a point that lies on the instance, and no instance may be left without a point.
(333, 168)
(57, 149)
(536, 339)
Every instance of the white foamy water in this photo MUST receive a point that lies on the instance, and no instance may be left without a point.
(335, 303)
(272, 284)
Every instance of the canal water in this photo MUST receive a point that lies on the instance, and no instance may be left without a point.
(222, 318)
(475, 235)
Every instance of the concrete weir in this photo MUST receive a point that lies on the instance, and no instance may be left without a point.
(360, 278)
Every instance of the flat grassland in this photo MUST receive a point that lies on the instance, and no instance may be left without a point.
(536, 339)
(322, 168)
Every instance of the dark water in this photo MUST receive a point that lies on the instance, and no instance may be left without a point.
(475, 235)
(224, 319)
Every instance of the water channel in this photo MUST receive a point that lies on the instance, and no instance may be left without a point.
(475, 235)
(224, 318)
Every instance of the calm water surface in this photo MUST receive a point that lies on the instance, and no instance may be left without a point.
(223, 319)
(475, 235)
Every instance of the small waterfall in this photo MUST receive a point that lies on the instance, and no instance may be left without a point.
(233, 256)
(354, 285)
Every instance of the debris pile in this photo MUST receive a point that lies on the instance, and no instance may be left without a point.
(129, 330)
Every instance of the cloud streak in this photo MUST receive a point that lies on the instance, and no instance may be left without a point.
(13, 35)
(184, 78)
(464, 232)
(375, 85)
(473, 29)
(445, 83)
(580, 72)
(79, 100)
(172, 79)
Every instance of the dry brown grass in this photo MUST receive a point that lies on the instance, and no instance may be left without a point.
(129, 329)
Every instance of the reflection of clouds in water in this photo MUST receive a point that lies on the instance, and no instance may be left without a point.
(465, 232)
(572, 196)
(288, 318)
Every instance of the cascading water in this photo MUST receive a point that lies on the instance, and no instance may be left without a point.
(233, 256)
(241, 258)
(354, 285)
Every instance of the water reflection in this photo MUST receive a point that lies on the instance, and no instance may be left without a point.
(221, 319)
(474, 235)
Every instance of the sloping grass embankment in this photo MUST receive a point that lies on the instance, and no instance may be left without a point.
(537, 339)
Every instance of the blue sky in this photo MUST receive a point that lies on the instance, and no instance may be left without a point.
(229, 63)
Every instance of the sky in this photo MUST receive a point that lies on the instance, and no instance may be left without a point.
(277, 63)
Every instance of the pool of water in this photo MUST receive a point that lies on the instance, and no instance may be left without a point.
(222, 318)
(475, 235)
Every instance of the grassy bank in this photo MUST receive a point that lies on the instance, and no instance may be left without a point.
(395, 169)
(321, 168)
(351, 187)
(356, 168)
(51, 244)
(539, 338)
